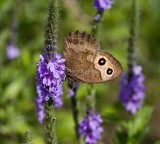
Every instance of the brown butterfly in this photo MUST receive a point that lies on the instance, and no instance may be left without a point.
(86, 62)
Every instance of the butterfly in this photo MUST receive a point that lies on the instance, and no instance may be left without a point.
(86, 62)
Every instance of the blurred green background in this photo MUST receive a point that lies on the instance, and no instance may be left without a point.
(17, 76)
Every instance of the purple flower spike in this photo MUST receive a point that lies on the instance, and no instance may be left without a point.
(132, 92)
(50, 75)
(12, 51)
(90, 127)
(102, 4)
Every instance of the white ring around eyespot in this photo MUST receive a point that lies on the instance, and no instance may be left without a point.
(102, 68)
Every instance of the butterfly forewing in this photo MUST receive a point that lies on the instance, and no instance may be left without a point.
(80, 52)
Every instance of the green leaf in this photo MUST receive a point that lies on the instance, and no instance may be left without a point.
(140, 121)
(13, 89)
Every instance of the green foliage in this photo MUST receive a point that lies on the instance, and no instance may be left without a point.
(158, 142)
(133, 130)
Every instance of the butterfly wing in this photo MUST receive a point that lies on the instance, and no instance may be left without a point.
(85, 62)
(79, 53)
(105, 67)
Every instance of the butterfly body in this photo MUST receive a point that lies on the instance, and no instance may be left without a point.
(86, 62)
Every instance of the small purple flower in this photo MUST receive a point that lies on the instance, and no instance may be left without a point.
(40, 108)
(58, 102)
(90, 127)
(71, 92)
(50, 75)
(132, 89)
(102, 4)
(12, 51)
(97, 17)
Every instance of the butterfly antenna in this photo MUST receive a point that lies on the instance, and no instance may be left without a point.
(64, 79)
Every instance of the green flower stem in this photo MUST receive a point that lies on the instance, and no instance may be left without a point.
(27, 138)
(14, 22)
(91, 99)
(51, 33)
(134, 26)
(50, 123)
(74, 109)
(75, 113)
(96, 23)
